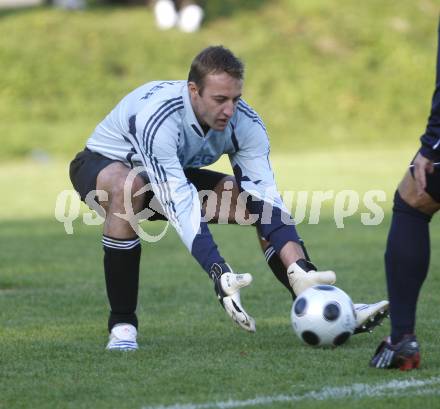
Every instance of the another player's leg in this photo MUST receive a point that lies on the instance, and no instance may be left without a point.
(406, 263)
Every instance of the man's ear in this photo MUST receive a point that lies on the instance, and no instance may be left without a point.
(193, 88)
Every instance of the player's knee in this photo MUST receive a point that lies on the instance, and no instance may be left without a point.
(409, 205)
(137, 187)
(409, 193)
(413, 200)
(117, 188)
(227, 192)
(112, 178)
(124, 188)
(227, 185)
(264, 244)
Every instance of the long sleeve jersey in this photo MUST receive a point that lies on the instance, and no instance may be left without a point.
(155, 127)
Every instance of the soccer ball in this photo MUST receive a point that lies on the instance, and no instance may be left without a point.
(323, 315)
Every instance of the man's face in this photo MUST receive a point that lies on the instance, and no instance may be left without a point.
(215, 104)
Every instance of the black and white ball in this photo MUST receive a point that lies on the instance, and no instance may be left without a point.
(323, 315)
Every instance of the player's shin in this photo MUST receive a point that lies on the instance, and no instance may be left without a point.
(300, 275)
(278, 269)
(407, 255)
(121, 267)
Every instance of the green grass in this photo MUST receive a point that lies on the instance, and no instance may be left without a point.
(53, 307)
(339, 89)
(360, 74)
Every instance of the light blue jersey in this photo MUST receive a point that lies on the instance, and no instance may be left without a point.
(155, 127)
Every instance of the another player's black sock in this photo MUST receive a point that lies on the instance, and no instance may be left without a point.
(277, 267)
(121, 267)
(406, 262)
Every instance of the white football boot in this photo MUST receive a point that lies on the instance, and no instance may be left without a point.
(190, 18)
(122, 338)
(165, 14)
(369, 316)
(303, 275)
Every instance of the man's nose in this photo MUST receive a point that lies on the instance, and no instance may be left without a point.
(229, 109)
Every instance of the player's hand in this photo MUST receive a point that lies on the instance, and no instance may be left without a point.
(303, 274)
(422, 166)
(227, 286)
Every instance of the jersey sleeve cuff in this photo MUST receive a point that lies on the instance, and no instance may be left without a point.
(204, 249)
(430, 153)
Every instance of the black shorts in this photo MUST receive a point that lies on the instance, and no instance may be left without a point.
(86, 165)
(432, 182)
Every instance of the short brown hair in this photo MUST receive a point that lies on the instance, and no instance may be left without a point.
(215, 59)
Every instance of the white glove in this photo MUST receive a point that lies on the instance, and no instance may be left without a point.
(227, 285)
(302, 274)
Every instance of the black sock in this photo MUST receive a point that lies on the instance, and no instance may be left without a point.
(406, 263)
(277, 267)
(121, 267)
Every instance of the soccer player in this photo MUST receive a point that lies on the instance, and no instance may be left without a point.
(171, 129)
(408, 247)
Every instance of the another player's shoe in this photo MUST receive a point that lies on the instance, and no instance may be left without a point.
(227, 287)
(369, 316)
(165, 14)
(405, 355)
(190, 18)
(302, 274)
(123, 338)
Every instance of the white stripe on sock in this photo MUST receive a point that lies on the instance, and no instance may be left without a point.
(269, 252)
(119, 244)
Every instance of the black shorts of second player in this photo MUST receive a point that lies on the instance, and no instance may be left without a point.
(86, 165)
(432, 182)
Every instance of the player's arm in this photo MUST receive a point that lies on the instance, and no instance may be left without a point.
(157, 148)
(180, 202)
(254, 175)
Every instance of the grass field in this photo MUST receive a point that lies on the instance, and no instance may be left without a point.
(344, 92)
(53, 309)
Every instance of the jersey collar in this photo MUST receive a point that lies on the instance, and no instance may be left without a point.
(190, 116)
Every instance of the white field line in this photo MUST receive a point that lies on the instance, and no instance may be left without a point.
(409, 387)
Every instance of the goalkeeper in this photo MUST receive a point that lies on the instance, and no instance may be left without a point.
(171, 129)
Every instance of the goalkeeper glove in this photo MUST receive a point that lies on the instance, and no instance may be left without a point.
(302, 275)
(227, 286)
